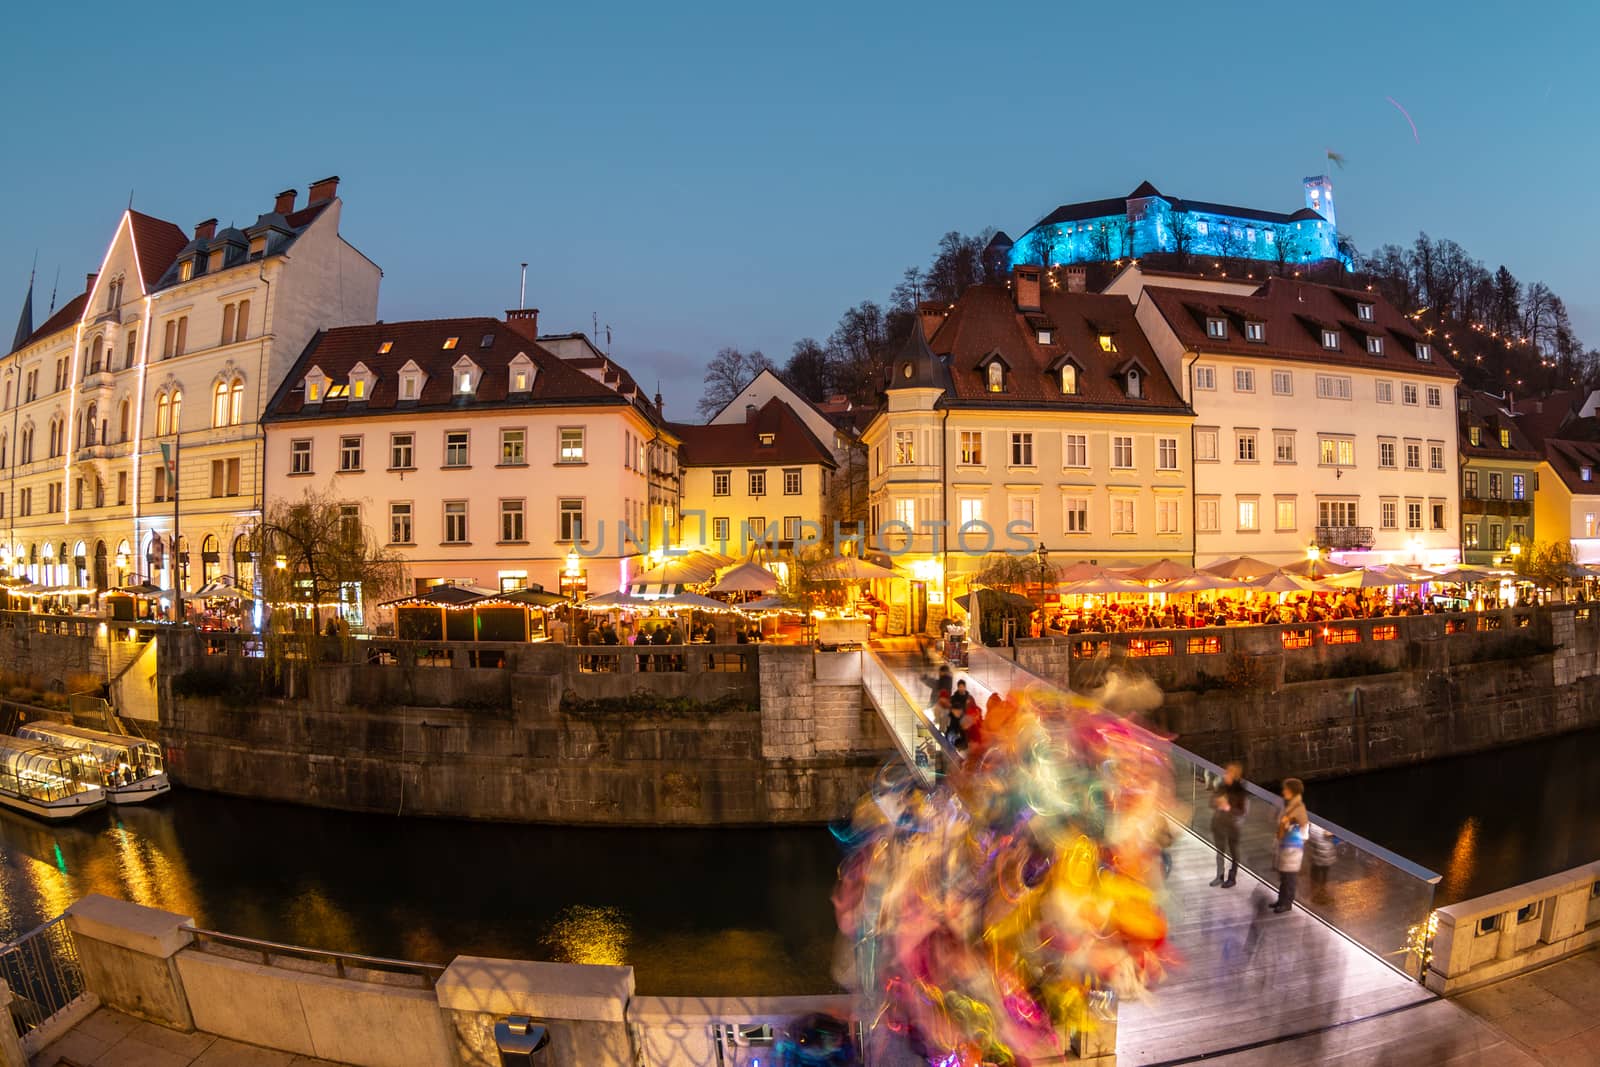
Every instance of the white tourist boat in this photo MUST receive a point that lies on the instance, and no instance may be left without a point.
(130, 768)
(47, 780)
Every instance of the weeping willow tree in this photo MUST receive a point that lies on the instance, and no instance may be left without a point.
(315, 553)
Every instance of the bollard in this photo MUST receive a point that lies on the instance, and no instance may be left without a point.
(518, 1039)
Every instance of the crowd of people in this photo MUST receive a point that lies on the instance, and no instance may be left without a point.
(1263, 609)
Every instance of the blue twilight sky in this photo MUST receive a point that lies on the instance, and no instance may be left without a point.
(708, 175)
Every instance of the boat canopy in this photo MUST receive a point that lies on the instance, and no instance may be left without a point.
(37, 768)
(104, 746)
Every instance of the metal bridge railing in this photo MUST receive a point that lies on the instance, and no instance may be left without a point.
(41, 967)
(347, 965)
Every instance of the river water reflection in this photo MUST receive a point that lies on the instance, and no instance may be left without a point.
(712, 912)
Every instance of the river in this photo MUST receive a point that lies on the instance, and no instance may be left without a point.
(710, 912)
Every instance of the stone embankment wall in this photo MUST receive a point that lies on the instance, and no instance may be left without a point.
(51, 654)
(771, 743)
(1337, 698)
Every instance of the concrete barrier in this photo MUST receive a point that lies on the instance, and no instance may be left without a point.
(1502, 934)
(362, 1023)
(585, 1008)
(127, 954)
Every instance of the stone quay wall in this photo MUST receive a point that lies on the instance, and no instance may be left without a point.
(742, 735)
(1341, 697)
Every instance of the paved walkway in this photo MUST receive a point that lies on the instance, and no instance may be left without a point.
(109, 1038)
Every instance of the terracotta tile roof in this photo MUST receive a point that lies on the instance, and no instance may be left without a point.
(985, 321)
(1568, 458)
(1295, 313)
(336, 352)
(1541, 418)
(64, 319)
(739, 443)
(158, 242)
(1486, 414)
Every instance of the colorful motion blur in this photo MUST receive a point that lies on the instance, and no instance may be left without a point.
(996, 918)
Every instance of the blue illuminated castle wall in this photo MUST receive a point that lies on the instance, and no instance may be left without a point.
(1146, 221)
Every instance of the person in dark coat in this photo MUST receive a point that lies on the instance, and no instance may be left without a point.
(1228, 801)
(943, 683)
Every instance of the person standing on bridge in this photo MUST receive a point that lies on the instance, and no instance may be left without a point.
(1292, 826)
(944, 682)
(1228, 802)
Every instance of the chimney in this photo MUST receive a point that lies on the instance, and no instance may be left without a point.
(284, 204)
(322, 191)
(203, 231)
(932, 313)
(525, 321)
(1077, 278)
(88, 286)
(1025, 288)
(749, 413)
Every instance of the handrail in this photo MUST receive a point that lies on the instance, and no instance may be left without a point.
(1394, 859)
(429, 972)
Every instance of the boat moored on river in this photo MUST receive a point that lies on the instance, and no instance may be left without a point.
(48, 781)
(130, 768)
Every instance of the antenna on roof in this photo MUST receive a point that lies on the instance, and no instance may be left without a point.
(53, 289)
(130, 198)
(594, 328)
(522, 296)
(608, 340)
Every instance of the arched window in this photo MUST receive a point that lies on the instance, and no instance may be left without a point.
(90, 421)
(97, 353)
(1069, 379)
(123, 415)
(25, 450)
(219, 400)
(236, 400)
(54, 439)
(163, 414)
(997, 381)
(1134, 384)
(177, 410)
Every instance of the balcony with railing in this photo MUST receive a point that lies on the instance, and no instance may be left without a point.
(1477, 505)
(1344, 538)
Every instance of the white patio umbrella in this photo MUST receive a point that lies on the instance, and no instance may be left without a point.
(1247, 567)
(747, 578)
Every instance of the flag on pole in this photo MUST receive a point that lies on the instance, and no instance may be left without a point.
(1336, 159)
(170, 460)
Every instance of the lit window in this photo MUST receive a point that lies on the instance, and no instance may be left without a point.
(1046, 336)
(1336, 451)
(1069, 379)
(1374, 346)
(1330, 339)
(513, 450)
(1505, 438)
(1586, 472)
(464, 384)
(1249, 517)
(186, 270)
(385, 348)
(450, 342)
(572, 450)
(905, 451)
(972, 447)
(1108, 343)
(996, 377)
(1424, 352)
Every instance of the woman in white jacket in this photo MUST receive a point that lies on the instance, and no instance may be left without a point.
(1292, 826)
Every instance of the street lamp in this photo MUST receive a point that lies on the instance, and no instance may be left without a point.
(1313, 552)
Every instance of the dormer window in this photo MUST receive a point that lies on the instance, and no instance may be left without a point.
(1424, 352)
(1216, 328)
(1505, 438)
(316, 385)
(1256, 331)
(1108, 343)
(1135, 383)
(411, 380)
(1586, 472)
(995, 377)
(385, 348)
(1069, 379)
(1374, 346)
(361, 382)
(186, 270)
(1330, 340)
(450, 342)
(258, 246)
(1046, 335)
(520, 374)
(1364, 312)
(465, 375)
(766, 439)
(214, 260)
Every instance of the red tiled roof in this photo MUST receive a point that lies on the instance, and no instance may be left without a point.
(739, 443)
(1295, 312)
(984, 320)
(1484, 412)
(1568, 458)
(336, 352)
(64, 319)
(158, 243)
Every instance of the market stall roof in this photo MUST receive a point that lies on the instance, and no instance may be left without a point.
(141, 589)
(223, 588)
(746, 578)
(690, 568)
(1241, 567)
(535, 595)
(440, 596)
(1164, 570)
(622, 599)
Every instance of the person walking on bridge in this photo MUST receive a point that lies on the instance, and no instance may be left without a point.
(1292, 826)
(1228, 802)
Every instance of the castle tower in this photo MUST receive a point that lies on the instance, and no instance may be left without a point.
(1319, 198)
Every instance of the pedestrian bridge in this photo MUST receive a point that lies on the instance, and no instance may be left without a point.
(1329, 982)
